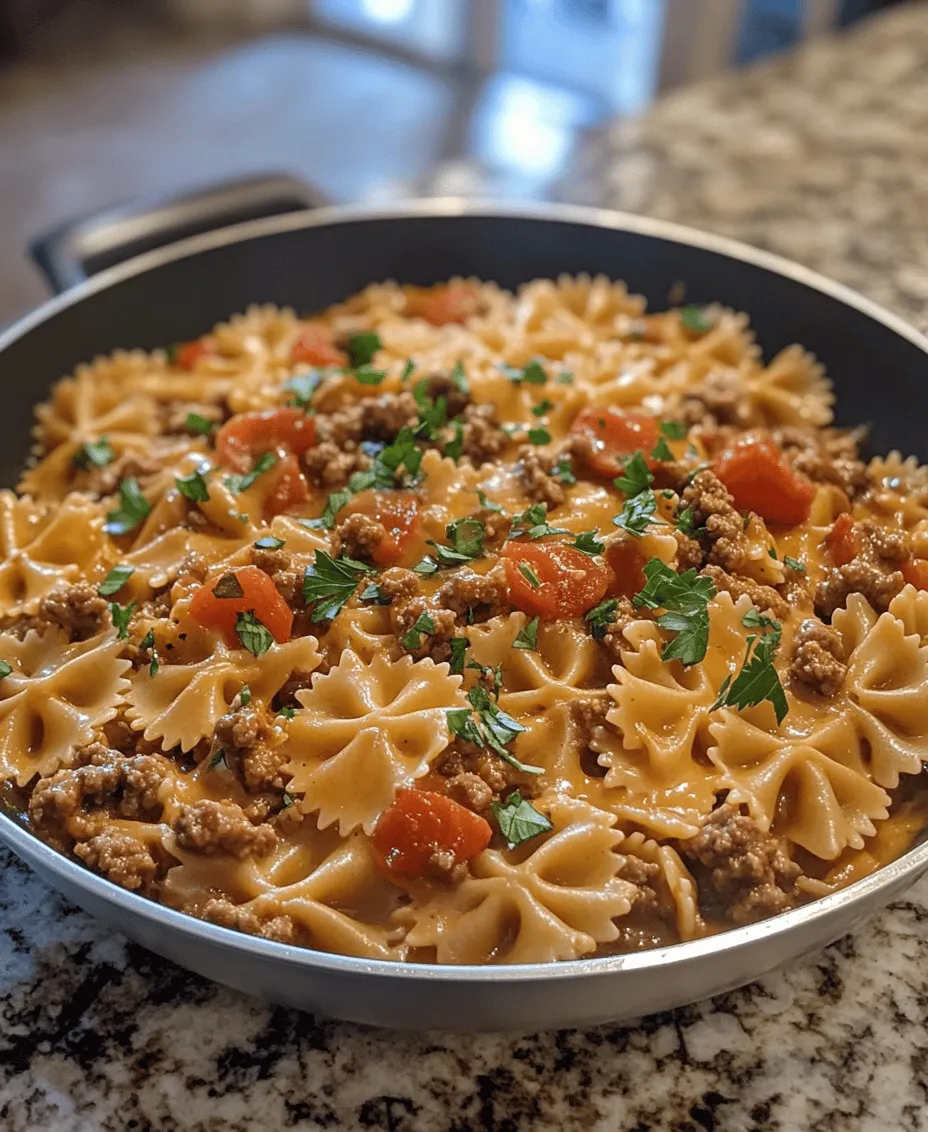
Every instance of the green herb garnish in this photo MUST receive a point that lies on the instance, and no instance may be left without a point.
(695, 320)
(303, 386)
(132, 509)
(252, 633)
(122, 615)
(600, 617)
(423, 627)
(115, 580)
(758, 679)
(527, 636)
(244, 695)
(685, 598)
(793, 564)
(563, 470)
(636, 513)
(533, 523)
(542, 407)
(329, 582)
(588, 543)
(539, 436)
(362, 347)
(269, 542)
(5, 669)
(239, 483)
(532, 373)
(198, 424)
(485, 725)
(458, 653)
(459, 379)
(94, 454)
(193, 487)
(661, 450)
(518, 820)
(636, 477)
(529, 575)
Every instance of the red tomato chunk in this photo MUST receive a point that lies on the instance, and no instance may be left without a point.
(259, 596)
(419, 824)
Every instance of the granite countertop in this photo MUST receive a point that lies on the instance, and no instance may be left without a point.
(821, 157)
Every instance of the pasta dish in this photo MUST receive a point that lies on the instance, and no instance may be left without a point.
(462, 626)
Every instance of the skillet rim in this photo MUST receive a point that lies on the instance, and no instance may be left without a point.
(28, 846)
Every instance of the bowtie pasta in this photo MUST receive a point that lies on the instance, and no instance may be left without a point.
(462, 626)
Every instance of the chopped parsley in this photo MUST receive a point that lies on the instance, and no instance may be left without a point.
(493, 677)
(695, 320)
(287, 712)
(198, 424)
(423, 627)
(5, 669)
(454, 449)
(122, 615)
(362, 347)
(303, 386)
(433, 412)
(529, 575)
(459, 379)
(685, 520)
(94, 454)
(252, 633)
(588, 543)
(600, 617)
(565, 377)
(466, 537)
(489, 504)
(269, 542)
(758, 679)
(408, 370)
(193, 487)
(542, 407)
(288, 799)
(458, 652)
(374, 595)
(673, 430)
(238, 483)
(636, 513)
(426, 567)
(539, 436)
(228, 587)
(793, 564)
(148, 642)
(563, 471)
(486, 725)
(336, 501)
(527, 636)
(115, 580)
(533, 522)
(532, 373)
(518, 820)
(636, 478)
(661, 450)
(219, 760)
(367, 375)
(132, 509)
(329, 582)
(685, 598)
(244, 695)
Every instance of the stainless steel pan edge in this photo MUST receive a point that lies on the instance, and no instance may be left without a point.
(470, 998)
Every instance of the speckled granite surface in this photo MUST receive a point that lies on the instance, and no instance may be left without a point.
(822, 158)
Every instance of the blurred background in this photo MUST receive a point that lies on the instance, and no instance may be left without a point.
(370, 99)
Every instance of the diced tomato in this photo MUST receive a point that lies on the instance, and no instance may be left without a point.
(755, 472)
(452, 302)
(841, 540)
(915, 573)
(259, 596)
(614, 435)
(246, 436)
(569, 581)
(289, 490)
(399, 513)
(418, 824)
(315, 347)
(626, 562)
(187, 354)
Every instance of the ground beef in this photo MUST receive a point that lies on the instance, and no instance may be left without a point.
(537, 482)
(443, 867)
(278, 565)
(764, 598)
(441, 385)
(126, 861)
(221, 827)
(689, 552)
(405, 614)
(78, 610)
(873, 572)
(382, 417)
(327, 464)
(587, 713)
(461, 757)
(471, 791)
(228, 915)
(399, 584)
(721, 527)
(477, 597)
(749, 872)
(71, 803)
(720, 398)
(482, 438)
(176, 414)
(816, 658)
(644, 875)
(828, 456)
(613, 640)
(358, 536)
(243, 737)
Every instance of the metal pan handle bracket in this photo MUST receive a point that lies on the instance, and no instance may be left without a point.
(77, 249)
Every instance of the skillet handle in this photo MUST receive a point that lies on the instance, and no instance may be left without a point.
(77, 249)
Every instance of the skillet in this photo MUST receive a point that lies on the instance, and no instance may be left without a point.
(144, 277)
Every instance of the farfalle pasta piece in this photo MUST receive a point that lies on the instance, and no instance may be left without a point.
(809, 786)
(791, 390)
(54, 698)
(181, 703)
(911, 608)
(555, 898)
(317, 883)
(43, 547)
(886, 687)
(382, 723)
(670, 880)
(900, 492)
